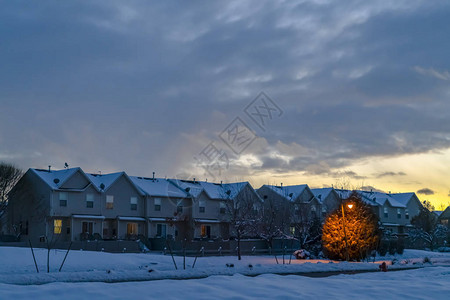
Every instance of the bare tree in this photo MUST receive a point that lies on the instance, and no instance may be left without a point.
(307, 226)
(274, 220)
(427, 228)
(9, 176)
(243, 212)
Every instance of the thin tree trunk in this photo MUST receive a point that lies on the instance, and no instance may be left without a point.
(239, 245)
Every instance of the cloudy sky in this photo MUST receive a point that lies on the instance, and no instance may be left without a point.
(362, 90)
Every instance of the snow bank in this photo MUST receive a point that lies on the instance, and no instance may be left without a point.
(17, 266)
(427, 283)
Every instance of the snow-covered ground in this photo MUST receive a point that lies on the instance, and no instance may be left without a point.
(85, 274)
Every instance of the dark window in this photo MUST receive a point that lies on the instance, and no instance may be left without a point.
(89, 204)
(222, 210)
(406, 216)
(68, 230)
(133, 206)
(157, 207)
(202, 209)
(62, 202)
(179, 209)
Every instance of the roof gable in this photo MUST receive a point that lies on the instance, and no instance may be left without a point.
(55, 179)
(158, 187)
(290, 193)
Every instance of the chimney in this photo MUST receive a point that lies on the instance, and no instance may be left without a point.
(194, 179)
(153, 178)
(49, 168)
(281, 184)
(221, 182)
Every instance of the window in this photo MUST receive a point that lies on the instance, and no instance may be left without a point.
(180, 206)
(87, 227)
(255, 208)
(324, 211)
(201, 206)
(399, 213)
(133, 203)
(157, 204)
(313, 211)
(292, 230)
(90, 200)
(161, 230)
(205, 231)
(57, 225)
(132, 228)
(406, 214)
(109, 202)
(63, 197)
(386, 212)
(297, 209)
(222, 208)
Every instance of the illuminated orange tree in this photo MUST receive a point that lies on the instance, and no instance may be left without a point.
(353, 236)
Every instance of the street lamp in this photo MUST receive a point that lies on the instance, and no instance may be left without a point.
(345, 232)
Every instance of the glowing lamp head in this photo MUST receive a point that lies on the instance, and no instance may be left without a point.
(350, 206)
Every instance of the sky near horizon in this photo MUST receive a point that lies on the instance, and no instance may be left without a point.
(356, 93)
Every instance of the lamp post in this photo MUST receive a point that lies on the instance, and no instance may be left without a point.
(347, 257)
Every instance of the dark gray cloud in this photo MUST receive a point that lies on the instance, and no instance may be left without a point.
(390, 174)
(145, 86)
(425, 191)
(371, 188)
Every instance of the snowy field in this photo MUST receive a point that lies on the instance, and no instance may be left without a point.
(87, 275)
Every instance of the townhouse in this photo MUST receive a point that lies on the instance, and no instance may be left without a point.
(294, 205)
(71, 205)
(394, 211)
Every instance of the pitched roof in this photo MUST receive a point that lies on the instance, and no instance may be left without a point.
(321, 194)
(104, 179)
(194, 188)
(403, 198)
(223, 191)
(445, 214)
(290, 192)
(371, 198)
(56, 178)
(158, 187)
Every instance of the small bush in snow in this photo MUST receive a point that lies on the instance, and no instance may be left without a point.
(426, 260)
(302, 254)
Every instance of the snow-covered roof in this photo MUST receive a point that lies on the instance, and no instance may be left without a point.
(371, 198)
(194, 188)
(437, 212)
(206, 221)
(56, 178)
(403, 198)
(290, 192)
(106, 179)
(88, 217)
(222, 191)
(322, 193)
(139, 219)
(158, 187)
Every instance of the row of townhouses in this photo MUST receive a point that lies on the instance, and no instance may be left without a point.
(74, 205)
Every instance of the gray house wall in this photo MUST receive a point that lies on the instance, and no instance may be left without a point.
(76, 181)
(29, 202)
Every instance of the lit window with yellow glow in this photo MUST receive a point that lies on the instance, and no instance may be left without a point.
(57, 225)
